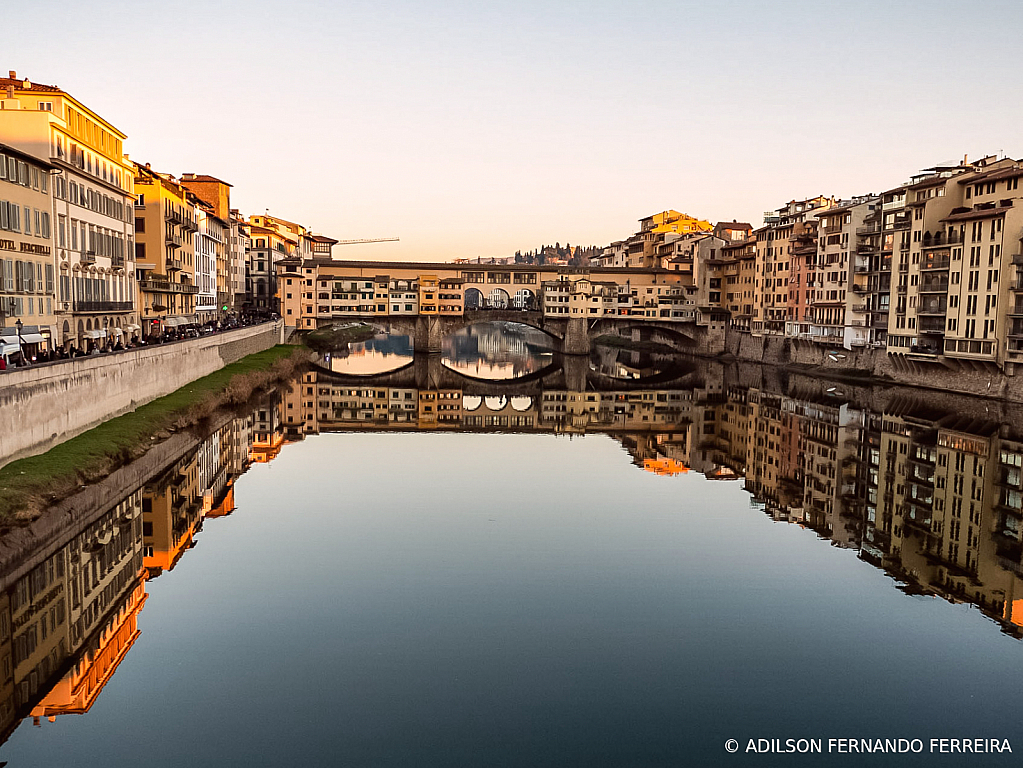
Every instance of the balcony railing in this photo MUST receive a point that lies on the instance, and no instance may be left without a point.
(935, 264)
(102, 306)
(175, 265)
(87, 257)
(936, 309)
(166, 286)
(869, 229)
(934, 241)
(934, 286)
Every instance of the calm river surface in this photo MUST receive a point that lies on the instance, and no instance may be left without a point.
(499, 558)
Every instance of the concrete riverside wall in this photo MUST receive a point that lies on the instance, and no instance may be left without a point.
(870, 363)
(22, 549)
(48, 404)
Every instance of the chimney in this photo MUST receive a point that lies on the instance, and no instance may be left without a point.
(12, 74)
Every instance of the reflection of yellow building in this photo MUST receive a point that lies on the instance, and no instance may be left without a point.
(76, 692)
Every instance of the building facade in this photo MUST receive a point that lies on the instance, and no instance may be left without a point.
(92, 216)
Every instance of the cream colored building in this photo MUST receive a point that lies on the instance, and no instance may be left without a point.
(26, 256)
(92, 217)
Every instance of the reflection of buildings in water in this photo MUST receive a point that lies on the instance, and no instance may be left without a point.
(77, 690)
(934, 500)
(497, 350)
(62, 607)
(66, 626)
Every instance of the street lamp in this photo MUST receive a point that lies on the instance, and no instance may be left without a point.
(18, 324)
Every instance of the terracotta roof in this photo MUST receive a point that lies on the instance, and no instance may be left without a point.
(203, 177)
(19, 85)
(996, 175)
(983, 213)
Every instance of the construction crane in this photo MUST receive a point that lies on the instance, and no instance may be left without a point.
(370, 240)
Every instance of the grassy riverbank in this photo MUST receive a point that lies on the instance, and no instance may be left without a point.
(329, 339)
(29, 484)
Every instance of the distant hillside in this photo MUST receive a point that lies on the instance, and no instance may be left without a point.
(572, 255)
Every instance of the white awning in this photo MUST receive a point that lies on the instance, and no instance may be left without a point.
(8, 349)
(132, 328)
(33, 338)
(96, 333)
(173, 322)
(116, 332)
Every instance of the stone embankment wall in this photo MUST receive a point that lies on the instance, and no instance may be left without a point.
(877, 364)
(45, 405)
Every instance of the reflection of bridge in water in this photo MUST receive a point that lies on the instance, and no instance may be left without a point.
(573, 372)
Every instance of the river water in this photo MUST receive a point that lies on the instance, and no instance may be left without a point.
(499, 557)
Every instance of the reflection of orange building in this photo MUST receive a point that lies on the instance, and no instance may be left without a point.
(171, 511)
(75, 693)
(226, 505)
(265, 447)
(665, 466)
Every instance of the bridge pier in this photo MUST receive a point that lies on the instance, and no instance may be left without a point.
(577, 337)
(429, 334)
(576, 370)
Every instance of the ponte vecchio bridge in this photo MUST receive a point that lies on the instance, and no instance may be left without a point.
(429, 301)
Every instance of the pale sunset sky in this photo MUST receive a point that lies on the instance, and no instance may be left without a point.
(475, 129)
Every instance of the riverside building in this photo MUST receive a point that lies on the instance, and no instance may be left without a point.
(92, 210)
(26, 255)
(165, 226)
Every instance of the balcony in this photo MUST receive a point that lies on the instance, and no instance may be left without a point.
(932, 309)
(175, 265)
(166, 286)
(938, 240)
(934, 286)
(930, 264)
(862, 270)
(179, 216)
(174, 239)
(102, 306)
(861, 289)
(87, 257)
(860, 308)
(869, 229)
(1017, 259)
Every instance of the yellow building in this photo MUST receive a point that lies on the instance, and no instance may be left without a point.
(93, 219)
(165, 226)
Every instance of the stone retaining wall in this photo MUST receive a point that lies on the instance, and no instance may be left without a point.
(869, 363)
(46, 405)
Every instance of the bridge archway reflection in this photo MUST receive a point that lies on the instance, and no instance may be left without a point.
(498, 351)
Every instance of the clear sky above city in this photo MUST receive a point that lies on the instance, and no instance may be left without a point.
(475, 129)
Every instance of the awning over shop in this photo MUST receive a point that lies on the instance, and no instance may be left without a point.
(132, 328)
(33, 338)
(116, 332)
(8, 349)
(96, 333)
